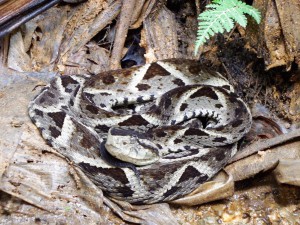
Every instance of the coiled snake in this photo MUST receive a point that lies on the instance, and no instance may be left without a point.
(145, 134)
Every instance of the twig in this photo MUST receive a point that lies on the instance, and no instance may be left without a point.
(121, 32)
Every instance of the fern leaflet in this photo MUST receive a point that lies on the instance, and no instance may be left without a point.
(220, 16)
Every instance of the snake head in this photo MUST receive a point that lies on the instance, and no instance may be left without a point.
(131, 146)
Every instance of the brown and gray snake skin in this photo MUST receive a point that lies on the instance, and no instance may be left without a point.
(145, 134)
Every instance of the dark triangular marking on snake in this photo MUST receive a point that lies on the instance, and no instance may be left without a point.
(65, 81)
(134, 120)
(197, 132)
(92, 109)
(58, 118)
(190, 172)
(107, 157)
(39, 112)
(207, 92)
(114, 173)
(155, 70)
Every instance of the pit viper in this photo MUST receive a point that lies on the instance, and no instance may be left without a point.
(144, 134)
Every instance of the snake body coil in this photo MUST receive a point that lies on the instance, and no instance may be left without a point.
(163, 128)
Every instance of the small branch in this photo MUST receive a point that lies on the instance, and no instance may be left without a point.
(121, 32)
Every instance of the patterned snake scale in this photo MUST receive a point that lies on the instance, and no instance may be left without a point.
(145, 134)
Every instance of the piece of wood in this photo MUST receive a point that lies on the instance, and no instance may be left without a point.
(121, 32)
(14, 13)
(265, 144)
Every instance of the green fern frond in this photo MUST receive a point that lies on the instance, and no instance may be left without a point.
(220, 16)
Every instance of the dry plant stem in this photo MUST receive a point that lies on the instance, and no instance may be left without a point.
(261, 145)
(121, 32)
(198, 6)
(231, 32)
